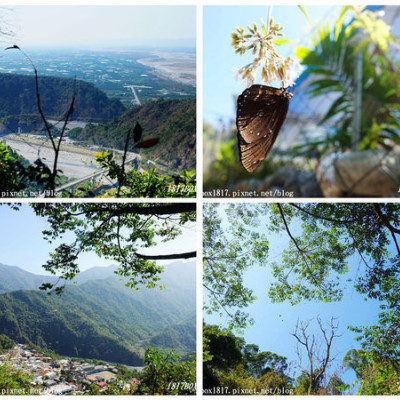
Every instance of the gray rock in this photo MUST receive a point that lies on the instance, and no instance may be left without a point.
(370, 173)
(293, 182)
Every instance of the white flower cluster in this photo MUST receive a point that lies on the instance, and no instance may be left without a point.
(274, 66)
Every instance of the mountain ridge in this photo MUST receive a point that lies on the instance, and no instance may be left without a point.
(104, 319)
(18, 97)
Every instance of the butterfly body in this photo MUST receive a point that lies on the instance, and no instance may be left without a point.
(261, 112)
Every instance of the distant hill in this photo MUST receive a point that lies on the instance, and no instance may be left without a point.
(18, 97)
(95, 273)
(15, 278)
(105, 320)
(178, 337)
(172, 121)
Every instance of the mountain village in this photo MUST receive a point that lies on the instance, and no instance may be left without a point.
(62, 377)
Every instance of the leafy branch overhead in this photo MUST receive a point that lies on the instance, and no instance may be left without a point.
(314, 264)
(121, 232)
(231, 245)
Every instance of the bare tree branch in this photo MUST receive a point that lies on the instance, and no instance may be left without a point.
(318, 362)
(337, 221)
(300, 250)
(190, 254)
(388, 225)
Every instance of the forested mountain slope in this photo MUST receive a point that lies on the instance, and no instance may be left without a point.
(18, 96)
(172, 121)
(105, 320)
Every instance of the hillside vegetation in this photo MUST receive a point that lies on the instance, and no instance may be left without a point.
(18, 97)
(103, 319)
(6, 343)
(172, 121)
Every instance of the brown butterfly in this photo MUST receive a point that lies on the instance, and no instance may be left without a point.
(261, 112)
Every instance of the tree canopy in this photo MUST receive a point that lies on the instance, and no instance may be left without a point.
(117, 231)
(230, 247)
(234, 367)
(325, 241)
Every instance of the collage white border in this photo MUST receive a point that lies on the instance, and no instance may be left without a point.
(199, 142)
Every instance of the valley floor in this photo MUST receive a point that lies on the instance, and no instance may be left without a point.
(75, 161)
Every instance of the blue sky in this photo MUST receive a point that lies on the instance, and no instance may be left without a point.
(22, 243)
(220, 60)
(102, 26)
(274, 322)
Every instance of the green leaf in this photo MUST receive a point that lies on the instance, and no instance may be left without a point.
(302, 52)
(362, 44)
(264, 30)
(279, 42)
(303, 10)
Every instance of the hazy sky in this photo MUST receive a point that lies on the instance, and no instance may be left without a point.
(22, 243)
(101, 26)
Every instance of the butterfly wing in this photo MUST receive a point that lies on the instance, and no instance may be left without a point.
(261, 112)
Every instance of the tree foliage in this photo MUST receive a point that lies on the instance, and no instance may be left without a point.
(313, 264)
(134, 183)
(6, 343)
(377, 376)
(324, 242)
(13, 382)
(12, 171)
(233, 367)
(166, 374)
(114, 231)
(230, 247)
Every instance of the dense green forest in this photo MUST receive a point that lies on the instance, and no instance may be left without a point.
(6, 343)
(103, 319)
(18, 97)
(172, 121)
(177, 338)
(232, 367)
